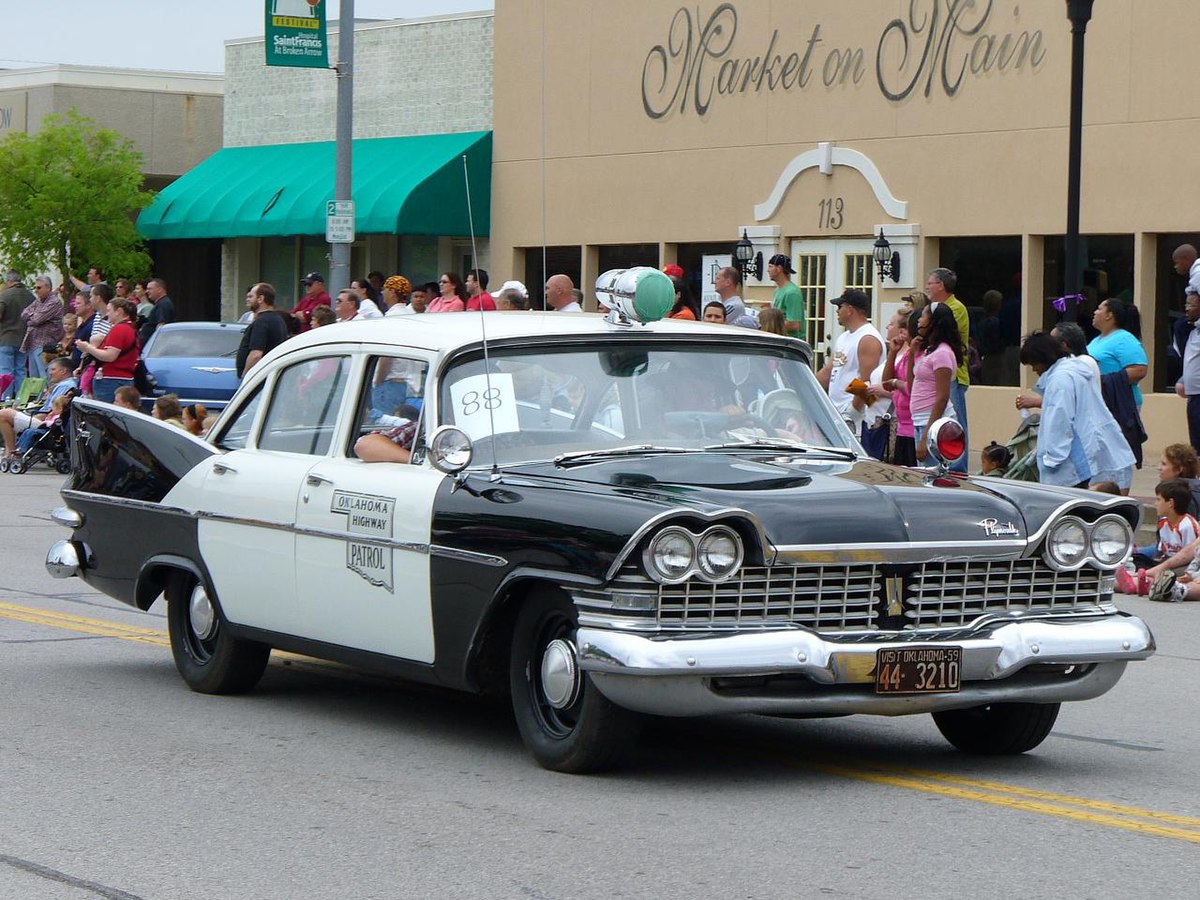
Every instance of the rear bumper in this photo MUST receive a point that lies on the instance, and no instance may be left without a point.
(800, 673)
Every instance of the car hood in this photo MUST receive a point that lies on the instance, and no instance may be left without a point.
(819, 502)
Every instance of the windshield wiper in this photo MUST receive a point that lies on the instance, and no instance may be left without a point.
(789, 446)
(583, 457)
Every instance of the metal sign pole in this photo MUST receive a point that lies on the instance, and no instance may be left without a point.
(339, 268)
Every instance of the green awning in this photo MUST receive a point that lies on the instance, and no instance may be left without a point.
(401, 185)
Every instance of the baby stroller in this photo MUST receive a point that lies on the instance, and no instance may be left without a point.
(47, 444)
(1023, 446)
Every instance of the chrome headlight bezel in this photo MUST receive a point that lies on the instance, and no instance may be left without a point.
(1126, 537)
(710, 573)
(657, 546)
(1086, 539)
(654, 547)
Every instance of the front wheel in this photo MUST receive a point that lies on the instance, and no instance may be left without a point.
(566, 723)
(210, 659)
(999, 729)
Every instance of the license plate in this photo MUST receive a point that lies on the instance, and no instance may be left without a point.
(918, 670)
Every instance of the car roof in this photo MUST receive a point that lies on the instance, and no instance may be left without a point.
(445, 331)
(198, 326)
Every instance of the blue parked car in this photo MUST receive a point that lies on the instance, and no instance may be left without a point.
(195, 360)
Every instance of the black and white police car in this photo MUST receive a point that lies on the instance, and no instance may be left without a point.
(603, 518)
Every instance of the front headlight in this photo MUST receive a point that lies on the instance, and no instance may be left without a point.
(1067, 543)
(718, 553)
(670, 556)
(1112, 539)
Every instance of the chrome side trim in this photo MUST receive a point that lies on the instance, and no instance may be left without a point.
(253, 523)
(897, 552)
(470, 556)
(654, 521)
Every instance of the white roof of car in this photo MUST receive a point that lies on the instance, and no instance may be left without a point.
(442, 331)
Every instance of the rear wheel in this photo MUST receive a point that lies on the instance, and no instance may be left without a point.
(63, 466)
(566, 723)
(999, 729)
(208, 657)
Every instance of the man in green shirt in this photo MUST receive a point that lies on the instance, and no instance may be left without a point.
(788, 298)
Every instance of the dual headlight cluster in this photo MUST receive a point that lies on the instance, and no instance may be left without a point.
(676, 554)
(1071, 542)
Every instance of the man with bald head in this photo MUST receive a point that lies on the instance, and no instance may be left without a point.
(1188, 265)
(560, 294)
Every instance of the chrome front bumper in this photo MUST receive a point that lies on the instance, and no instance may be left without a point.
(798, 672)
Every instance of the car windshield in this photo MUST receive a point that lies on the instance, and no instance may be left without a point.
(205, 342)
(546, 402)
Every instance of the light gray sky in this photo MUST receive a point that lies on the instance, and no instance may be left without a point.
(185, 35)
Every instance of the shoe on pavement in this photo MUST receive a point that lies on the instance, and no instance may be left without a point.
(1165, 590)
(1125, 582)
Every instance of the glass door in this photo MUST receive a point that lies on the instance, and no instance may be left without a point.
(824, 270)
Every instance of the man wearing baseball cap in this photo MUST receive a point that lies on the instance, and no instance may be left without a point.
(856, 353)
(314, 295)
(788, 298)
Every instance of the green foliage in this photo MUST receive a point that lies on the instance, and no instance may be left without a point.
(68, 195)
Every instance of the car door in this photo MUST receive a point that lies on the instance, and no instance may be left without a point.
(362, 544)
(248, 496)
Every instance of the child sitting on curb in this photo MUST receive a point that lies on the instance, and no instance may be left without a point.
(1176, 530)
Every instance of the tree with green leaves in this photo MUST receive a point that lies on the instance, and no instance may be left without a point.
(68, 196)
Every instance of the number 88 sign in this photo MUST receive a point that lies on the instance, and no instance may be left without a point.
(485, 405)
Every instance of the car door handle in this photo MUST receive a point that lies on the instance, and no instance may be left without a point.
(220, 468)
(314, 480)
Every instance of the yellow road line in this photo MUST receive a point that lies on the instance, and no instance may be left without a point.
(1064, 811)
(1063, 806)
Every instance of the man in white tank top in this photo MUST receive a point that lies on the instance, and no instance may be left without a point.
(856, 353)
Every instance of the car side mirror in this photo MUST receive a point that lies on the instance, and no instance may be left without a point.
(450, 450)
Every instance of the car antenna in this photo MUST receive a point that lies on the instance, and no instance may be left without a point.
(487, 365)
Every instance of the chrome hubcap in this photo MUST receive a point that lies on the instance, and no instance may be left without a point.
(560, 674)
(201, 614)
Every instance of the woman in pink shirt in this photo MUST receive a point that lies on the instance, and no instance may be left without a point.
(453, 298)
(936, 353)
(895, 380)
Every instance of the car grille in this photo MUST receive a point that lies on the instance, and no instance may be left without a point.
(864, 597)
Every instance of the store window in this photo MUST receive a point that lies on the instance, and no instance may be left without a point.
(279, 268)
(558, 261)
(1107, 272)
(1169, 290)
(626, 256)
(989, 285)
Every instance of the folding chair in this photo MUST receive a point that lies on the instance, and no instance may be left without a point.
(31, 389)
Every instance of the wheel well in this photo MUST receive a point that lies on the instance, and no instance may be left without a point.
(157, 572)
(487, 668)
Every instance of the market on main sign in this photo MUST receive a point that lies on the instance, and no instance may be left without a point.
(939, 45)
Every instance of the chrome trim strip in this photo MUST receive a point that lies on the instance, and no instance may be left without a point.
(253, 523)
(897, 552)
(127, 502)
(470, 556)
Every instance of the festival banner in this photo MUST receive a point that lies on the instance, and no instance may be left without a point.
(296, 34)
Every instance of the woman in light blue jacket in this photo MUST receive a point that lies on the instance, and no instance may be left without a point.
(1079, 442)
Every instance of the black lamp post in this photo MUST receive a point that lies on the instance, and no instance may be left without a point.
(745, 258)
(1080, 13)
(887, 261)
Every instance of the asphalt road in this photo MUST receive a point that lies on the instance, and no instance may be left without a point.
(118, 782)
